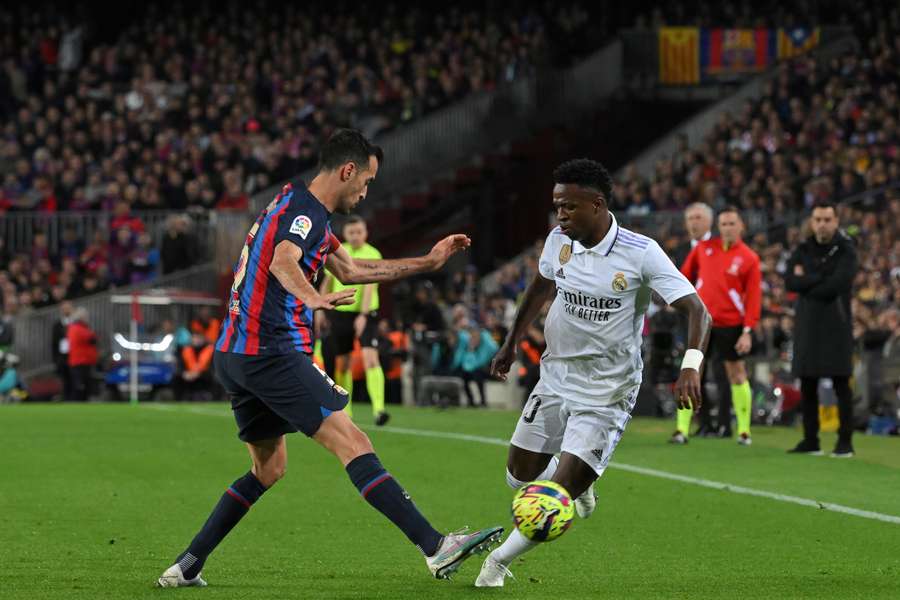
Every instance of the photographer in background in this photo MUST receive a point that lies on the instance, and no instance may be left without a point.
(821, 272)
(11, 388)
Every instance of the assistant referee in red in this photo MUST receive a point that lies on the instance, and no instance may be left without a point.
(726, 273)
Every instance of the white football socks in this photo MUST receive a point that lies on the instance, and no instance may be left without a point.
(547, 473)
(515, 545)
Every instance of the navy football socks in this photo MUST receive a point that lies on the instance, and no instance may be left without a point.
(232, 506)
(380, 490)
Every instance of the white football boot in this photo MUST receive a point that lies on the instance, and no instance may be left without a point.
(492, 573)
(173, 577)
(586, 503)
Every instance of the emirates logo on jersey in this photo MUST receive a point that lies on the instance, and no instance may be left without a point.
(590, 308)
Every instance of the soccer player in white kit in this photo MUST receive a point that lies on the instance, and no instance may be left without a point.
(600, 277)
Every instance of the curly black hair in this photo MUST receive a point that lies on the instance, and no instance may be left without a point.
(586, 173)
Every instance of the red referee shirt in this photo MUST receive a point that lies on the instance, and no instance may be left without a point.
(728, 281)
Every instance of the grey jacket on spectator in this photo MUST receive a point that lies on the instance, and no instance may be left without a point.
(823, 326)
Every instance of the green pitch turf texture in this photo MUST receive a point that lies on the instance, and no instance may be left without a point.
(96, 500)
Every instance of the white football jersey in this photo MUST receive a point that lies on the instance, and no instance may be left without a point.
(594, 326)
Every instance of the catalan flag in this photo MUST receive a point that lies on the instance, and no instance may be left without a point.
(679, 55)
(796, 41)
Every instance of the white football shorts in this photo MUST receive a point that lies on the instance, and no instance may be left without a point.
(551, 424)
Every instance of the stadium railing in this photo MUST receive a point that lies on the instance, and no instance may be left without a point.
(34, 329)
(19, 228)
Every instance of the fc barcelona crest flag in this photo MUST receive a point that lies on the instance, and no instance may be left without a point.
(734, 52)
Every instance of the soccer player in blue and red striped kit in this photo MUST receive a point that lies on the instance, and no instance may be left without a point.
(262, 357)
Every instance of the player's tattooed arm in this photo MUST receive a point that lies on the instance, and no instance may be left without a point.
(687, 388)
(539, 291)
(354, 270)
(286, 269)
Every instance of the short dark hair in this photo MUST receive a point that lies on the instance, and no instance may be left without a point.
(731, 208)
(824, 204)
(352, 220)
(348, 145)
(586, 173)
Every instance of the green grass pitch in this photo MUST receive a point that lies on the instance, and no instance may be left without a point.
(96, 500)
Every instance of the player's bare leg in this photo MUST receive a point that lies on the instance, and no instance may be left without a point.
(574, 474)
(443, 554)
(269, 458)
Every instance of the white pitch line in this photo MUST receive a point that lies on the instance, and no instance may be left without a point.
(716, 485)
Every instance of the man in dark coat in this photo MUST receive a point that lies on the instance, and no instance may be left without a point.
(821, 272)
(178, 249)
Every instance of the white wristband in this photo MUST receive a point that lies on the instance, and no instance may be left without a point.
(693, 358)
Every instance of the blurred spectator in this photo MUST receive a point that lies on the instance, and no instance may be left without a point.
(424, 311)
(474, 351)
(233, 198)
(71, 245)
(120, 251)
(531, 348)
(11, 387)
(397, 351)
(7, 329)
(122, 218)
(83, 354)
(177, 251)
(97, 252)
(196, 368)
(206, 324)
(60, 347)
(144, 261)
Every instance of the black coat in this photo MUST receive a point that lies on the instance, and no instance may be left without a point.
(823, 325)
(177, 252)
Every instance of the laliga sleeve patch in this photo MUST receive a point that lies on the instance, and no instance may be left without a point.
(301, 226)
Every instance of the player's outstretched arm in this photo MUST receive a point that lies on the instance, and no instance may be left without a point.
(286, 269)
(539, 291)
(687, 388)
(355, 270)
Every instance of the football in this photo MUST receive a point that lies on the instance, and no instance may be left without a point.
(542, 510)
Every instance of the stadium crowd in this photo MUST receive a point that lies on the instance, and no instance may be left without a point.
(121, 253)
(198, 106)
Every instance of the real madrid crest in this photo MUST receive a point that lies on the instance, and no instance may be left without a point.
(565, 253)
(619, 284)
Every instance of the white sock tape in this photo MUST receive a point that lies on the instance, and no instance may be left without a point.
(693, 358)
